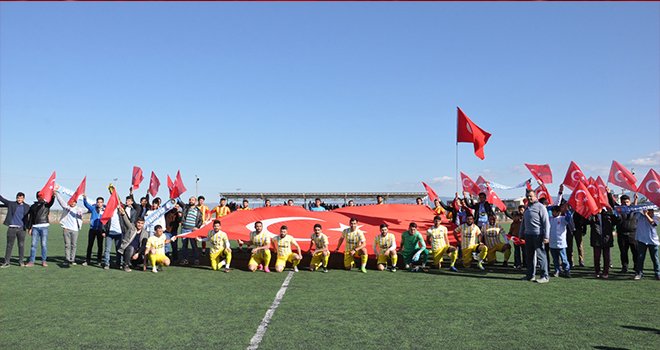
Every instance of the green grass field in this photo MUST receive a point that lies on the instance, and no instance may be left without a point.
(185, 307)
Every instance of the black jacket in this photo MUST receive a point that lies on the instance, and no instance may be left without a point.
(186, 209)
(628, 221)
(39, 212)
(602, 228)
(11, 209)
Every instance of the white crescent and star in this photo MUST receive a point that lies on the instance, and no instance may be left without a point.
(648, 188)
(616, 176)
(573, 175)
(468, 127)
(584, 197)
(268, 222)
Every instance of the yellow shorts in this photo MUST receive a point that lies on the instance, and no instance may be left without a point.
(282, 260)
(438, 253)
(349, 260)
(382, 259)
(317, 259)
(260, 258)
(158, 258)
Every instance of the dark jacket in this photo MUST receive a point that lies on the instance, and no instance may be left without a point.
(130, 231)
(627, 221)
(602, 229)
(186, 209)
(39, 212)
(11, 209)
(580, 224)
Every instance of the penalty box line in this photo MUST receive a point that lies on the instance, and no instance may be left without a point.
(263, 326)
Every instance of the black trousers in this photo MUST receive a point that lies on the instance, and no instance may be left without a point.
(623, 240)
(14, 233)
(128, 256)
(91, 236)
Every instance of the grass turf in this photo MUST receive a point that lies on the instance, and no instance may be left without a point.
(185, 307)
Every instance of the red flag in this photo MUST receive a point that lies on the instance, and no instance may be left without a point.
(622, 177)
(172, 188)
(110, 208)
(469, 186)
(650, 187)
(80, 190)
(430, 191)
(595, 192)
(582, 202)
(300, 221)
(468, 131)
(483, 184)
(47, 191)
(573, 176)
(602, 192)
(541, 172)
(542, 192)
(178, 183)
(528, 185)
(492, 198)
(137, 177)
(154, 183)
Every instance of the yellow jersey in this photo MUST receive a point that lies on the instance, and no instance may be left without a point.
(284, 245)
(248, 208)
(158, 243)
(353, 238)
(320, 241)
(437, 237)
(493, 235)
(469, 235)
(219, 241)
(220, 211)
(205, 212)
(439, 210)
(384, 243)
(260, 240)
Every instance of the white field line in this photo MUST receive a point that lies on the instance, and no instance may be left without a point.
(263, 326)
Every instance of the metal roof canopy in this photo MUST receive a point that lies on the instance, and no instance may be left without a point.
(322, 195)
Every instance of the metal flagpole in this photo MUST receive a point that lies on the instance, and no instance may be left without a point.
(456, 149)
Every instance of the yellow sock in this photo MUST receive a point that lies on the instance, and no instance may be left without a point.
(483, 253)
(325, 260)
(363, 259)
(152, 258)
(296, 262)
(266, 258)
(454, 256)
(395, 258)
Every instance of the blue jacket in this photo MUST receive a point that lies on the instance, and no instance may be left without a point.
(95, 219)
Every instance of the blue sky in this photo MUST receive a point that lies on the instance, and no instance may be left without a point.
(323, 96)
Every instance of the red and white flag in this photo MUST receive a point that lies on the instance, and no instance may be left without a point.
(493, 198)
(602, 192)
(468, 131)
(573, 176)
(469, 186)
(178, 183)
(542, 192)
(650, 187)
(172, 188)
(599, 196)
(137, 177)
(47, 191)
(430, 192)
(110, 208)
(582, 201)
(154, 184)
(541, 172)
(622, 177)
(80, 190)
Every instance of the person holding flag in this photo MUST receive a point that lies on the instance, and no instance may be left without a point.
(470, 242)
(559, 223)
(114, 229)
(355, 246)
(385, 248)
(96, 229)
(413, 248)
(437, 237)
(191, 220)
(282, 243)
(625, 231)
(38, 224)
(71, 222)
(602, 239)
(482, 209)
(495, 239)
(321, 253)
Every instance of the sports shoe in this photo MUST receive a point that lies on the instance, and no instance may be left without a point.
(325, 270)
(84, 263)
(44, 264)
(127, 269)
(363, 269)
(260, 267)
(73, 263)
(227, 269)
(154, 269)
(637, 277)
(543, 280)
(4, 266)
(106, 267)
(21, 264)
(30, 264)
(605, 276)
(481, 266)
(295, 269)
(556, 274)
(581, 264)
(453, 269)
(393, 269)
(266, 269)
(184, 262)
(527, 279)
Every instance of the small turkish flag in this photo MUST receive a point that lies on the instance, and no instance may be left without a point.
(172, 188)
(178, 183)
(432, 195)
(542, 192)
(80, 190)
(582, 201)
(622, 177)
(650, 187)
(137, 177)
(599, 196)
(469, 186)
(47, 191)
(468, 131)
(493, 198)
(110, 208)
(573, 176)
(541, 172)
(154, 184)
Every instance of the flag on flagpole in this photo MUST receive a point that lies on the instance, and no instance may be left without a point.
(110, 208)
(47, 191)
(154, 184)
(622, 177)
(573, 176)
(80, 190)
(468, 131)
(541, 172)
(432, 195)
(137, 177)
(650, 187)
